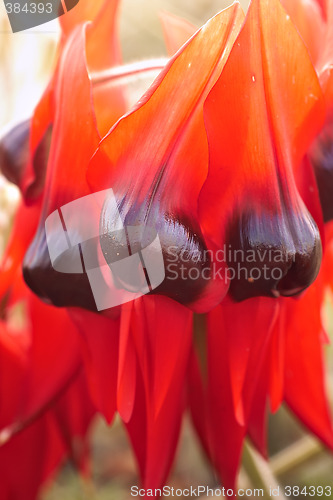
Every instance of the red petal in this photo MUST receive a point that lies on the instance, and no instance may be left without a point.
(258, 419)
(162, 357)
(152, 148)
(277, 362)
(176, 31)
(325, 62)
(235, 336)
(102, 51)
(307, 17)
(197, 401)
(83, 12)
(73, 413)
(71, 150)
(305, 390)
(273, 85)
(29, 459)
(100, 344)
(272, 108)
(127, 366)
(226, 436)
(47, 351)
(72, 147)
(32, 457)
(23, 230)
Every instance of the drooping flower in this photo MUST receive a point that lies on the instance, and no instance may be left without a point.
(238, 385)
(213, 158)
(265, 167)
(45, 405)
(278, 95)
(147, 370)
(317, 34)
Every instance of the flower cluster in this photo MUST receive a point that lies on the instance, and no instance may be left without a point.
(230, 150)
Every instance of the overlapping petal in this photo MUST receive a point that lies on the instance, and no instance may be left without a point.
(31, 458)
(163, 142)
(272, 109)
(238, 339)
(161, 334)
(229, 121)
(176, 31)
(109, 101)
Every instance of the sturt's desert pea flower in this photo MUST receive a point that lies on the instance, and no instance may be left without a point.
(219, 156)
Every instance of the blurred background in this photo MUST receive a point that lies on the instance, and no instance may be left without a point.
(26, 61)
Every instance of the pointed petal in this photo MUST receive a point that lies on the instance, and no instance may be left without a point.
(100, 345)
(225, 441)
(54, 357)
(155, 423)
(176, 31)
(305, 364)
(73, 413)
(247, 345)
(277, 362)
(127, 366)
(31, 457)
(230, 391)
(258, 419)
(47, 345)
(325, 63)
(197, 401)
(102, 51)
(71, 150)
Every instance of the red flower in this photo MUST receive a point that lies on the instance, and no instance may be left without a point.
(214, 158)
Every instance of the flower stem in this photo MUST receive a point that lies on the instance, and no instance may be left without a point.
(260, 473)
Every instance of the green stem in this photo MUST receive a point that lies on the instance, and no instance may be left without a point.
(260, 473)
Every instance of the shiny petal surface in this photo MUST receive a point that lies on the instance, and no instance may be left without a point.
(71, 150)
(272, 108)
(163, 142)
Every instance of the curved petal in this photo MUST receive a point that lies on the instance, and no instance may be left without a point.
(161, 330)
(100, 347)
(325, 63)
(31, 457)
(82, 13)
(23, 230)
(304, 359)
(176, 31)
(307, 17)
(48, 345)
(272, 109)
(162, 143)
(102, 51)
(238, 339)
(71, 150)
